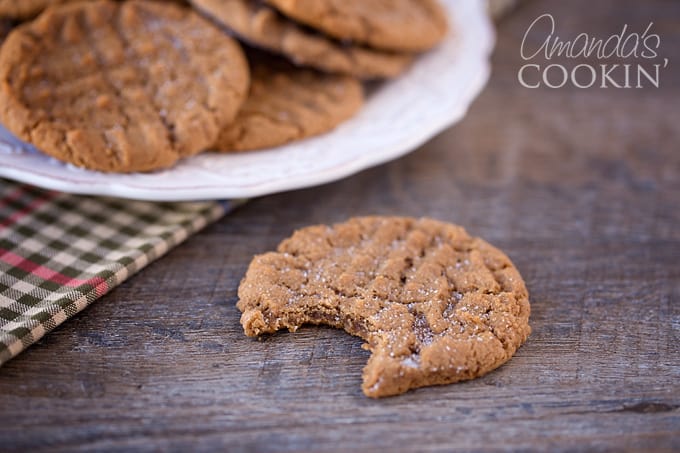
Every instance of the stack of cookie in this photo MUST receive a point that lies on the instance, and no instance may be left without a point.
(139, 84)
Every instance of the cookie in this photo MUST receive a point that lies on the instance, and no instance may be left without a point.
(397, 25)
(434, 304)
(263, 27)
(120, 87)
(287, 104)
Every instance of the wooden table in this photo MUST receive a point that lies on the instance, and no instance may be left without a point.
(580, 187)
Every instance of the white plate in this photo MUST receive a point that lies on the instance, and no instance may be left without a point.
(398, 116)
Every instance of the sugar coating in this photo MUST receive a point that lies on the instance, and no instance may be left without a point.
(434, 304)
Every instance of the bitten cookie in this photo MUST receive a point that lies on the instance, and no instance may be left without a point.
(434, 304)
(120, 87)
(263, 27)
(397, 25)
(287, 104)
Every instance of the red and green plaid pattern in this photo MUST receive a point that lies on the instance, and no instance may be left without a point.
(60, 252)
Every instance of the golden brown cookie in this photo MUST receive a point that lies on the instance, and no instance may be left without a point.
(397, 25)
(434, 304)
(287, 104)
(263, 27)
(120, 87)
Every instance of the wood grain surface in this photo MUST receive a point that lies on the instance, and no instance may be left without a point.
(580, 187)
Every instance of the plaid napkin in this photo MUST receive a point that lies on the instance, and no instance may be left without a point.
(60, 252)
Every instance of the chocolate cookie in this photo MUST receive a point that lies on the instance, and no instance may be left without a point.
(120, 87)
(434, 304)
(397, 25)
(263, 27)
(288, 103)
